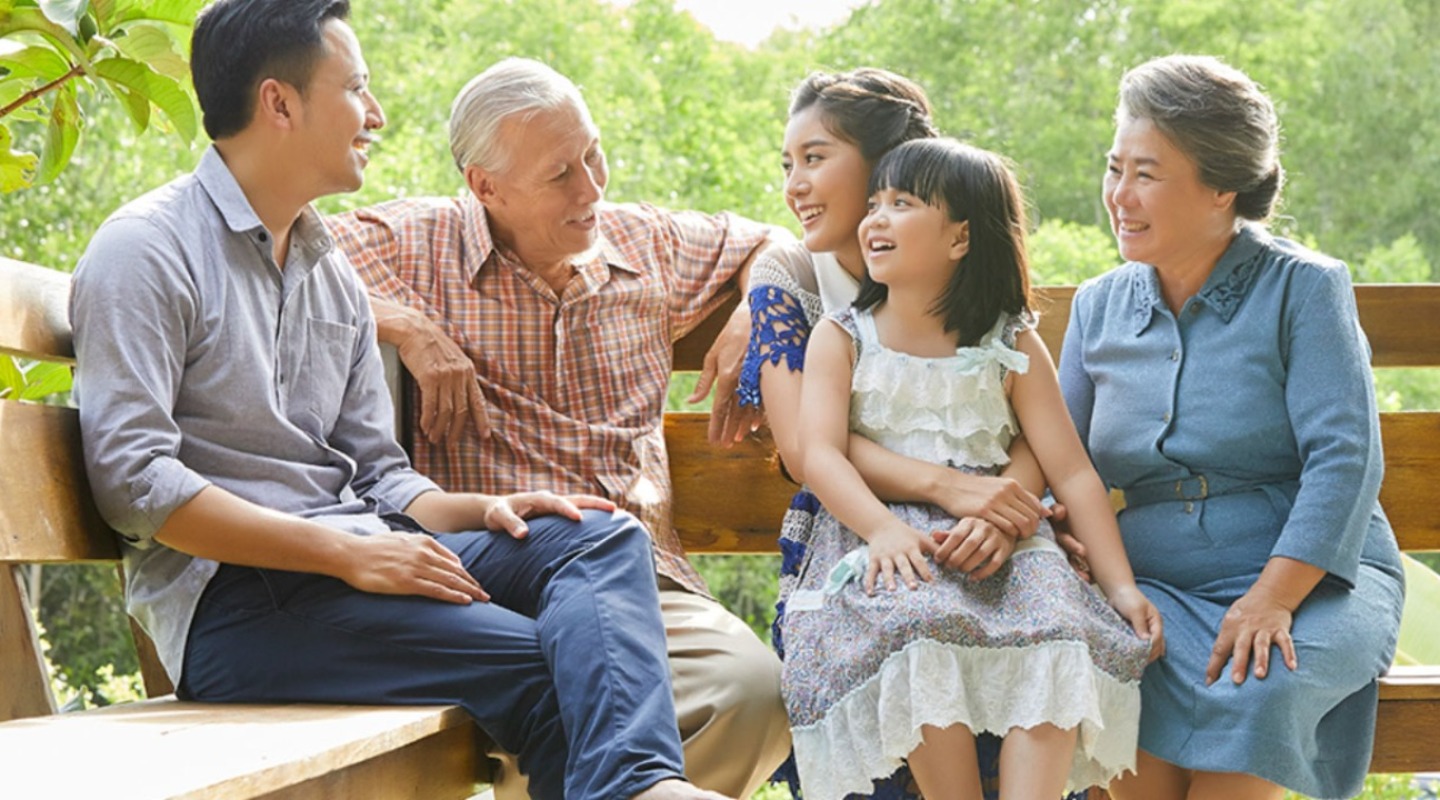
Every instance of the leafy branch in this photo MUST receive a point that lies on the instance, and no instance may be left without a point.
(49, 49)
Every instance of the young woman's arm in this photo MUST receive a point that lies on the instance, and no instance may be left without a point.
(825, 433)
(1035, 396)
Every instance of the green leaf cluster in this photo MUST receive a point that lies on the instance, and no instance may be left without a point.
(49, 49)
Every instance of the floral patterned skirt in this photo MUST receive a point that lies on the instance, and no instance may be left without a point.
(1031, 644)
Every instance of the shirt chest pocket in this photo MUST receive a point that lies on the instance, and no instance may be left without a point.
(324, 372)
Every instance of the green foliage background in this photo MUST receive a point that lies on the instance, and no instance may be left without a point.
(690, 122)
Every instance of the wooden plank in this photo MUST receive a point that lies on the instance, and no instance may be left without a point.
(24, 681)
(1405, 736)
(172, 749)
(1399, 319)
(48, 514)
(441, 766)
(726, 500)
(1421, 682)
(731, 501)
(34, 315)
(1402, 323)
(1412, 462)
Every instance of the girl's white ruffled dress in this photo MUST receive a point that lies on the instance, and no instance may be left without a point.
(1029, 645)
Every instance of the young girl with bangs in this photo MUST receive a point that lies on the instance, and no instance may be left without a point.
(896, 651)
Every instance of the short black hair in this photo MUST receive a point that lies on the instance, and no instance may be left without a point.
(975, 186)
(239, 43)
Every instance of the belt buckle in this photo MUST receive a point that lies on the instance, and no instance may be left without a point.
(1204, 488)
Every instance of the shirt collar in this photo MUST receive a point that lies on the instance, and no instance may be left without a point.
(1223, 291)
(219, 183)
(479, 240)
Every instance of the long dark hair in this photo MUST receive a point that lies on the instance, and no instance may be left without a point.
(978, 187)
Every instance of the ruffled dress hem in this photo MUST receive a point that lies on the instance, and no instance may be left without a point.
(868, 733)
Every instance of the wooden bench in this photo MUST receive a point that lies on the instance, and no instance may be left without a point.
(1403, 326)
(162, 747)
(166, 748)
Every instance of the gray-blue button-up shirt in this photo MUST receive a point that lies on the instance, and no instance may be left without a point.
(200, 362)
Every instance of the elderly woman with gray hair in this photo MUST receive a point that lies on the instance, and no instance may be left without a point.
(1220, 379)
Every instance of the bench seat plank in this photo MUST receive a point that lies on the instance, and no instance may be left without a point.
(165, 748)
(1405, 725)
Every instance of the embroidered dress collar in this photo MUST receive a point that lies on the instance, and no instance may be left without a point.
(479, 241)
(1223, 291)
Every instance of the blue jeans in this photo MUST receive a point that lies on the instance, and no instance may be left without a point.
(565, 666)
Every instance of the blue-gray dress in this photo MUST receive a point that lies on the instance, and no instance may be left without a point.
(1258, 399)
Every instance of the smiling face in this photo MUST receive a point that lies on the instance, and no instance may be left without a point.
(911, 245)
(542, 204)
(337, 114)
(825, 179)
(1160, 211)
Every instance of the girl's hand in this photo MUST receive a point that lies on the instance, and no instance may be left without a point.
(1000, 501)
(1143, 616)
(897, 547)
(975, 546)
(1254, 624)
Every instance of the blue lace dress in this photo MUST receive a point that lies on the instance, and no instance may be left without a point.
(791, 289)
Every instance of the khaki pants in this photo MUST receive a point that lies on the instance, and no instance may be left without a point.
(727, 700)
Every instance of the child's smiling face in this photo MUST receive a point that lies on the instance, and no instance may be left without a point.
(907, 241)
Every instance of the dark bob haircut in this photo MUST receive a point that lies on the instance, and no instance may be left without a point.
(974, 186)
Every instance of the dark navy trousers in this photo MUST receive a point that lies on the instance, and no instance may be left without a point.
(565, 666)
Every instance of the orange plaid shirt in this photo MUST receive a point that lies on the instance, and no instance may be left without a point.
(575, 385)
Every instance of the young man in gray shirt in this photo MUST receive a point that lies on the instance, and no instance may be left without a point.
(238, 435)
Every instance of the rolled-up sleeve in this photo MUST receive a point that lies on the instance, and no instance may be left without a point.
(707, 250)
(132, 308)
(1330, 400)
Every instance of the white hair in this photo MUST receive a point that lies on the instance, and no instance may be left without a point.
(512, 86)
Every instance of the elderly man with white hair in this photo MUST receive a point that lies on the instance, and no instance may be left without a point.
(538, 321)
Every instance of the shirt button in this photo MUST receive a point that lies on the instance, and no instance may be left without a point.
(1166, 417)
(264, 237)
(1175, 356)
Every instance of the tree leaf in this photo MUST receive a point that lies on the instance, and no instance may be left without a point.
(152, 45)
(178, 12)
(162, 91)
(135, 105)
(1419, 643)
(65, 13)
(45, 378)
(17, 169)
(34, 61)
(12, 380)
(61, 134)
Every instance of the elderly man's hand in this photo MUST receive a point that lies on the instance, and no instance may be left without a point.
(450, 396)
(729, 421)
(508, 513)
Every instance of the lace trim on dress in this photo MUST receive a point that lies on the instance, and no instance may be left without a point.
(921, 407)
(778, 329)
(987, 689)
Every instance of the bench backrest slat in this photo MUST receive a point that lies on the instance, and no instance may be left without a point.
(34, 320)
(57, 519)
(1399, 320)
